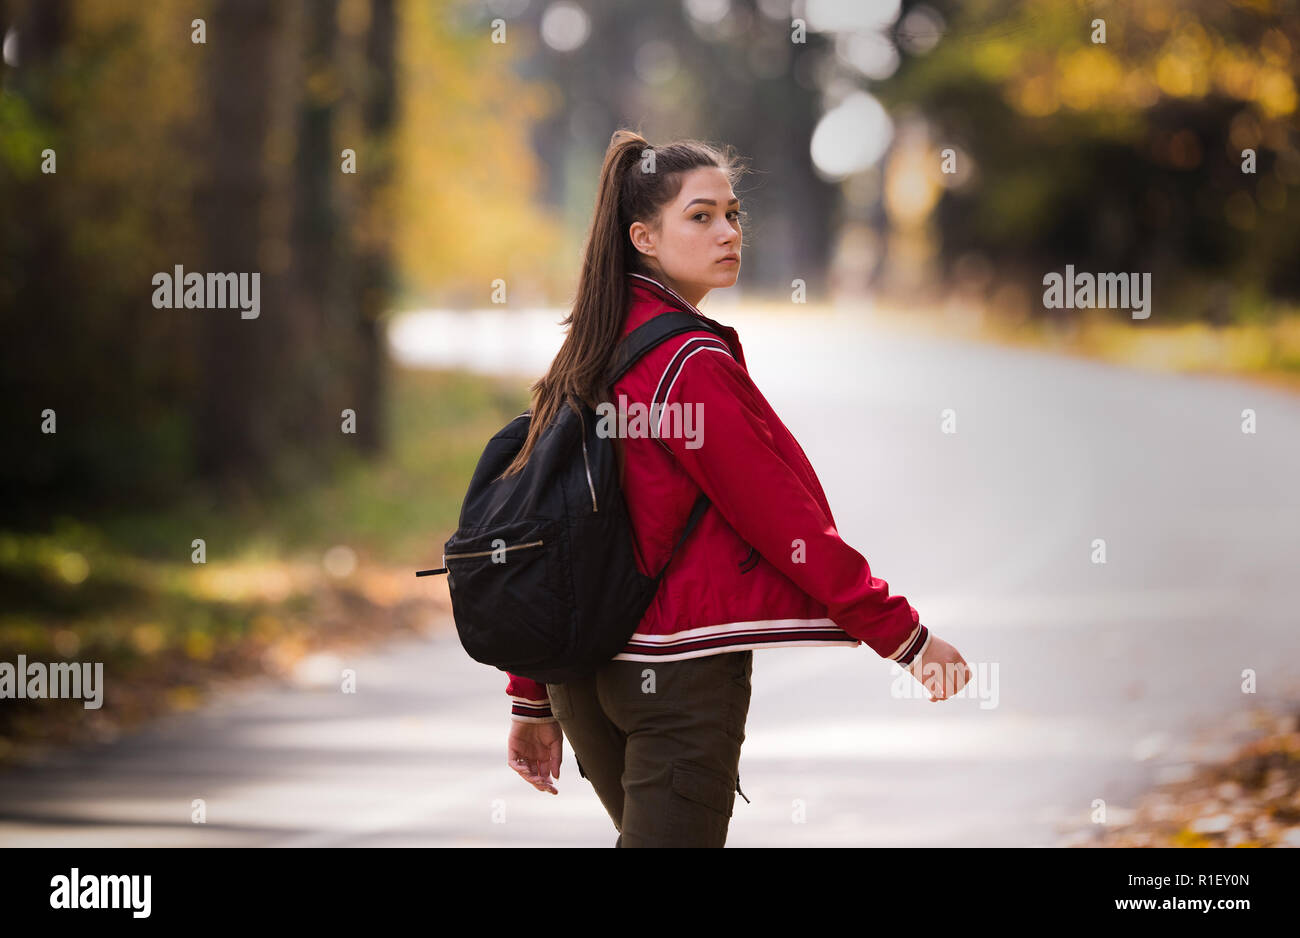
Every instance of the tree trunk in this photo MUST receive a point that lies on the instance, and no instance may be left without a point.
(235, 428)
(35, 293)
(379, 110)
(315, 365)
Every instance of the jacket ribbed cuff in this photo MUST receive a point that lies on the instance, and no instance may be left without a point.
(524, 710)
(913, 647)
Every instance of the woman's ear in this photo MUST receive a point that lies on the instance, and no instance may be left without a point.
(642, 238)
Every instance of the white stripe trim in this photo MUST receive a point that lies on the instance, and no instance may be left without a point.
(705, 348)
(848, 642)
(687, 636)
(911, 637)
(920, 652)
(674, 361)
(530, 702)
(727, 628)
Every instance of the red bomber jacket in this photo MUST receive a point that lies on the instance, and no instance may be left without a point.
(764, 566)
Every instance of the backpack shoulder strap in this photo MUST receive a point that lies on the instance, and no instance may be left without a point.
(697, 512)
(649, 334)
(637, 343)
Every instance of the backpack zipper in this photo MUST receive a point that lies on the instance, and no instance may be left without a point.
(484, 553)
(586, 462)
(590, 485)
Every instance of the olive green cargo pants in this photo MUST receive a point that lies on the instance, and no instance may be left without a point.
(660, 742)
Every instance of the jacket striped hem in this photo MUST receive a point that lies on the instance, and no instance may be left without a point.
(763, 633)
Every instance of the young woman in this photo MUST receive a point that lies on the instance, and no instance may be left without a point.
(657, 730)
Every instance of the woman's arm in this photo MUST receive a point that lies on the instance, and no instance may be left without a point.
(762, 493)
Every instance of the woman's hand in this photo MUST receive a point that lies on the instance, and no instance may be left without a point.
(943, 672)
(534, 751)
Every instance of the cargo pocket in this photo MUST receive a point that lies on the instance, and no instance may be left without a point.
(699, 808)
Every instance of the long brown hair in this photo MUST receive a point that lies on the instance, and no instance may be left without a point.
(627, 192)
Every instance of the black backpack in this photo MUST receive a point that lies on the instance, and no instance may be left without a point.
(542, 570)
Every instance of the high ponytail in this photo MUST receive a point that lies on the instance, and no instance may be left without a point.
(635, 183)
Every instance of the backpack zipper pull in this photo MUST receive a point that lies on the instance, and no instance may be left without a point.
(742, 794)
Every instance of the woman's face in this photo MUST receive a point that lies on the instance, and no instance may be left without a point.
(697, 245)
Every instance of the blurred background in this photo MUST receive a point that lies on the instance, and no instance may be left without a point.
(413, 179)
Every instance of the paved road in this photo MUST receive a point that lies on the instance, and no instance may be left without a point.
(1097, 678)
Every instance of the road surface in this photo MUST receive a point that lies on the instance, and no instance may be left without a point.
(1094, 679)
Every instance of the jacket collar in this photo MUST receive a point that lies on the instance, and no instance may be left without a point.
(648, 286)
(666, 293)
